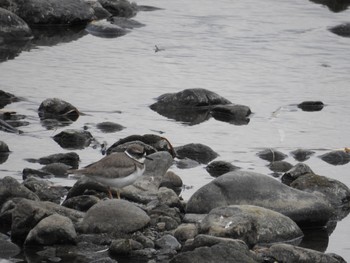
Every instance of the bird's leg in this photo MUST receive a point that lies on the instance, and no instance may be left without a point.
(110, 193)
(118, 193)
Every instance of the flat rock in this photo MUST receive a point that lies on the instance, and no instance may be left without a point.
(249, 188)
(252, 224)
(114, 216)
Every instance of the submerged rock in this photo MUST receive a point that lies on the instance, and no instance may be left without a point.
(342, 30)
(105, 29)
(271, 155)
(71, 159)
(7, 98)
(302, 155)
(109, 127)
(217, 168)
(125, 22)
(280, 166)
(231, 113)
(248, 188)
(311, 105)
(196, 151)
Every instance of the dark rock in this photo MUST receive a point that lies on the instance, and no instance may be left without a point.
(109, 127)
(338, 157)
(334, 5)
(185, 232)
(196, 151)
(172, 181)
(121, 8)
(6, 127)
(296, 171)
(302, 155)
(11, 188)
(73, 139)
(81, 203)
(27, 214)
(8, 249)
(342, 30)
(217, 168)
(311, 105)
(125, 22)
(239, 188)
(280, 166)
(231, 113)
(58, 109)
(186, 163)
(4, 152)
(29, 173)
(99, 11)
(7, 98)
(290, 254)
(12, 27)
(85, 186)
(54, 229)
(170, 216)
(252, 224)
(105, 29)
(168, 242)
(114, 216)
(168, 197)
(271, 155)
(57, 169)
(70, 158)
(213, 249)
(121, 247)
(50, 12)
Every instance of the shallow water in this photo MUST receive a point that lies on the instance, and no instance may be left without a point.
(267, 56)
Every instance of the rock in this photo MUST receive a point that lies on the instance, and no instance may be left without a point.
(271, 155)
(145, 241)
(302, 155)
(99, 11)
(27, 214)
(168, 242)
(252, 224)
(125, 22)
(290, 254)
(86, 186)
(185, 231)
(280, 166)
(172, 181)
(103, 28)
(168, 197)
(57, 169)
(121, 8)
(109, 127)
(337, 193)
(342, 30)
(121, 247)
(33, 173)
(168, 218)
(8, 249)
(71, 158)
(231, 113)
(58, 109)
(334, 6)
(311, 105)
(249, 188)
(13, 28)
(4, 152)
(217, 168)
(213, 249)
(338, 157)
(51, 12)
(54, 229)
(114, 216)
(186, 163)
(5, 97)
(73, 139)
(81, 203)
(296, 171)
(196, 151)
(11, 188)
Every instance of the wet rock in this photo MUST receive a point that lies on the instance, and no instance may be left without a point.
(105, 29)
(311, 105)
(33, 173)
(213, 249)
(12, 27)
(337, 193)
(4, 152)
(27, 214)
(7, 248)
(248, 188)
(73, 139)
(57, 169)
(296, 171)
(86, 186)
(45, 190)
(11, 188)
(54, 229)
(338, 157)
(302, 155)
(125, 22)
(232, 113)
(217, 168)
(172, 181)
(122, 8)
(109, 127)
(168, 197)
(289, 254)
(51, 12)
(185, 231)
(334, 5)
(152, 143)
(342, 30)
(196, 151)
(271, 155)
(165, 217)
(99, 11)
(114, 216)
(71, 158)
(5, 97)
(81, 203)
(280, 166)
(168, 242)
(6, 127)
(252, 224)
(58, 109)
(186, 163)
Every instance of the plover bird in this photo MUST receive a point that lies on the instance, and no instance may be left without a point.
(118, 169)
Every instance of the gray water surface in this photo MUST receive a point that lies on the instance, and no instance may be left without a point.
(267, 55)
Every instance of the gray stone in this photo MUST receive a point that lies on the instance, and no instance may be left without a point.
(217, 168)
(3, 146)
(54, 229)
(249, 188)
(8, 249)
(71, 158)
(81, 202)
(196, 151)
(341, 30)
(114, 216)
(168, 242)
(231, 113)
(296, 171)
(252, 224)
(185, 231)
(168, 197)
(338, 157)
(105, 29)
(73, 139)
(12, 27)
(302, 155)
(122, 8)
(57, 169)
(56, 108)
(271, 155)
(109, 127)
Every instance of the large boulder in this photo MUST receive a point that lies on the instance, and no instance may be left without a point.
(12, 27)
(50, 12)
(249, 188)
(252, 224)
(114, 216)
